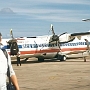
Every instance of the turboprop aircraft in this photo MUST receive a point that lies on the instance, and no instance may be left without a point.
(48, 46)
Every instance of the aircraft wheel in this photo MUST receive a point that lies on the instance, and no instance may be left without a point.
(26, 59)
(63, 58)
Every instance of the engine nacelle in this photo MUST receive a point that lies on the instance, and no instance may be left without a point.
(66, 38)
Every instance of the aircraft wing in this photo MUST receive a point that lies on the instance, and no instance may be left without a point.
(80, 34)
(70, 37)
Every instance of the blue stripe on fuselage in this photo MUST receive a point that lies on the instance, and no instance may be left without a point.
(45, 45)
(8, 47)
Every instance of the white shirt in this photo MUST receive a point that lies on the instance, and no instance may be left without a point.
(3, 69)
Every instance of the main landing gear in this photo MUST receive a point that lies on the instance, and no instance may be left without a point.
(62, 57)
(40, 59)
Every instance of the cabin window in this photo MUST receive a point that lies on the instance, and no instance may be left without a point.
(46, 45)
(34, 45)
(27, 45)
(74, 44)
(39, 45)
(83, 43)
(30, 45)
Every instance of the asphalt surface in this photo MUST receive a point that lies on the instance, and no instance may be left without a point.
(73, 74)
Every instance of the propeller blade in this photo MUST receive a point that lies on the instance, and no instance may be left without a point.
(52, 30)
(55, 37)
(11, 33)
(62, 34)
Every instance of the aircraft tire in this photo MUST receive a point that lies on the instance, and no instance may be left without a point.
(26, 59)
(63, 58)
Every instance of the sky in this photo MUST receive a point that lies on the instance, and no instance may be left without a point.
(29, 18)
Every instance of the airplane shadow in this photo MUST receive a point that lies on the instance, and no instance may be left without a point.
(74, 59)
(36, 61)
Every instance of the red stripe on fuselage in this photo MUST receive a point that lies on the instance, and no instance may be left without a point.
(40, 51)
(73, 49)
(52, 50)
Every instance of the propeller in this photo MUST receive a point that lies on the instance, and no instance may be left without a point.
(12, 38)
(13, 44)
(55, 38)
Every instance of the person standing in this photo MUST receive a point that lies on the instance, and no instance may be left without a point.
(3, 70)
(18, 59)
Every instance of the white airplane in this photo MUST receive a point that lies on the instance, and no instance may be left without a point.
(48, 46)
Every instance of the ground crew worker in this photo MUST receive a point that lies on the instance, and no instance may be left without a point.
(18, 59)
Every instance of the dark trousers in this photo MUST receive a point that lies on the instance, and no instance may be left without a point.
(18, 61)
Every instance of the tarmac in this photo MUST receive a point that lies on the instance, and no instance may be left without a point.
(72, 74)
